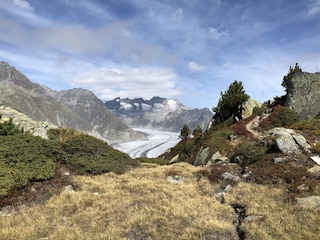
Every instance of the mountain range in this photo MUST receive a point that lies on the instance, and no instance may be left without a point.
(75, 108)
(158, 113)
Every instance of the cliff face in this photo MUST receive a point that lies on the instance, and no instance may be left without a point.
(303, 94)
(75, 108)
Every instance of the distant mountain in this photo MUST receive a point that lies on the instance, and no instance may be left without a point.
(75, 108)
(158, 113)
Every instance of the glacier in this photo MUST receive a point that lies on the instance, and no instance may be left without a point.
(156, 143)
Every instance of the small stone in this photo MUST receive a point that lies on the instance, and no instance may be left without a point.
(279, 160)
(69, 189)
(230, 177)
(316, 159)
(303, 187)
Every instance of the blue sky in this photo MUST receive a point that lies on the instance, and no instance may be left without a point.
(189, 50)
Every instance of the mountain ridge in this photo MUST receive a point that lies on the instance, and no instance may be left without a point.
(158, 113)
(44, 104)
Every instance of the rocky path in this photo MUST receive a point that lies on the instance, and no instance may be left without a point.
(252, 125)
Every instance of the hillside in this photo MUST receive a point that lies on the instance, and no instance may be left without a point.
(158, 113)
(74, 108)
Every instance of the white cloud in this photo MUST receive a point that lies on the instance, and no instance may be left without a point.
(195, 67)
(214, 33)
(22, 4)
(145, 82)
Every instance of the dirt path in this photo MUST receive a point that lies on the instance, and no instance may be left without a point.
(251, 126)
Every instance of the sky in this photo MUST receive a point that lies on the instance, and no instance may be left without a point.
(190, 50)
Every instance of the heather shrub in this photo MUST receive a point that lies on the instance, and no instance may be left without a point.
(89, 155)
(280, 117)
(250, 151)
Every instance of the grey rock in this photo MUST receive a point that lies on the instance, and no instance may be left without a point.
(301, 141)
(248, 107)
(69, 189)
(303, 94)
(201, 158)
(279, 160)
(176, 179)
(174, 159)
(216, 156)
(285, 141)
(220, 197)
(316, 159)
(229, 177)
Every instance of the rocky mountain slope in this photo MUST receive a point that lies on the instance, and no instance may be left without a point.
(75, 108)
(158, 113)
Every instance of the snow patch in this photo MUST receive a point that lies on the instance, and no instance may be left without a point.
(146, 107)
(125, 106)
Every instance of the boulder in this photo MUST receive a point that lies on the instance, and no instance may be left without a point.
(288, 141)
(248, 106)
(201, 157)
(301, 141)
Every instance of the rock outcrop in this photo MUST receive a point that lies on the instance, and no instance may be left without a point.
(303, 94)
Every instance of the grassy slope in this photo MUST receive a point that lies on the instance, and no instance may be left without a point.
(143, 204)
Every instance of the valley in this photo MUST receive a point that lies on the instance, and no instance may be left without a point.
(157, 143)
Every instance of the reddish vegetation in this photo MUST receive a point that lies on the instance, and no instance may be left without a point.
(240, 128)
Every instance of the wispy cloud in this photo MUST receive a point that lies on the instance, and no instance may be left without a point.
(195, 67)
(314, 8)
(214, 33)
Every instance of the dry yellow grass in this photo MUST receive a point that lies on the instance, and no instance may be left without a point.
(141, 204)
(281, 220)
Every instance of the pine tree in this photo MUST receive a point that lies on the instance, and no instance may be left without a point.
(185, 132)
(289, 76)
(231, 101)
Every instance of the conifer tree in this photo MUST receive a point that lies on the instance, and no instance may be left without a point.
(289, 76)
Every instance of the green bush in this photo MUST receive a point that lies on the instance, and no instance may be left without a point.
(24, 158)
(280, 117)
(89, 155)
(251, 151)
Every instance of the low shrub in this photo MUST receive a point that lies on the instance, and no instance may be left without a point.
(25, 158)
(89, 155)
(280, 117)
(251, 151)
